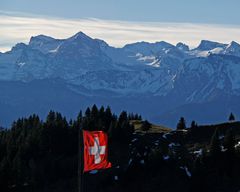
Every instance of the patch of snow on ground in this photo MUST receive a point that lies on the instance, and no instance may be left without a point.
(135, 139)
(182, 130)
(188, 172)
(130, 161)
(55, 50)
(223, 149)
(174, 145)
(165, 135)
(221, 137)
(198, 152)
(166, 157)
(237, 145)
(93, 171)
(21, 64)
(217, 50)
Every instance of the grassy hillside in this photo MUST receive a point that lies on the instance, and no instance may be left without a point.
(153, 129)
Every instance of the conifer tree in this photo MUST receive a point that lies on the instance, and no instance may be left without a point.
(140, 117)
(231, 117)
(193, 125)
(215, 148)
(88, 112)
(94, 112)
(101, 113)
(181, 124)
(80, 116)
(123, 116)
(229, 141)
(108, 117)
(229, 144)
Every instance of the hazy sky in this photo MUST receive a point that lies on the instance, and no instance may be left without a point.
(121, 21)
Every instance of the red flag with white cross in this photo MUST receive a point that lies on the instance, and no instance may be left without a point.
(95, 150)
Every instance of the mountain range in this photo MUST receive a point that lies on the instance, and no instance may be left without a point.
(159, 80)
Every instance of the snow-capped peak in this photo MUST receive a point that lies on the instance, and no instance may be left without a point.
(182, 46)
(39, 41)
(19, 46)
(44, 44)
(164, 44)
(102, 43)
(42, 38)
(233, 49)
(234, 46)
(206, 45)
(80, 36)
(147, 48)
(140, 67)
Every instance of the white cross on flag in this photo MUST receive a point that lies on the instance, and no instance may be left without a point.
(95, 150)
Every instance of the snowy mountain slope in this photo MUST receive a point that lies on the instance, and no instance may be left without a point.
(232, 49)
(200, 78)
(23, 63)
(206, 45)
(81, 60)
(45, 44)
(141, 68)
(170, 75)
(155, 82)
(206, 48)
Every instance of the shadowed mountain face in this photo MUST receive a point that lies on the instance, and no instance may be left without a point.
(159, 80)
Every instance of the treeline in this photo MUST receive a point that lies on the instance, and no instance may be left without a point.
(35, 154)
(42, 155)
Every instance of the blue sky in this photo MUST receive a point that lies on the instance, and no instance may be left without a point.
(193, 11)
(121, 21)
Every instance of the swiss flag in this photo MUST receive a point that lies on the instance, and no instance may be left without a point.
(95, 150)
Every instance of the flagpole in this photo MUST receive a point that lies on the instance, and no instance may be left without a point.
(80, 159)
